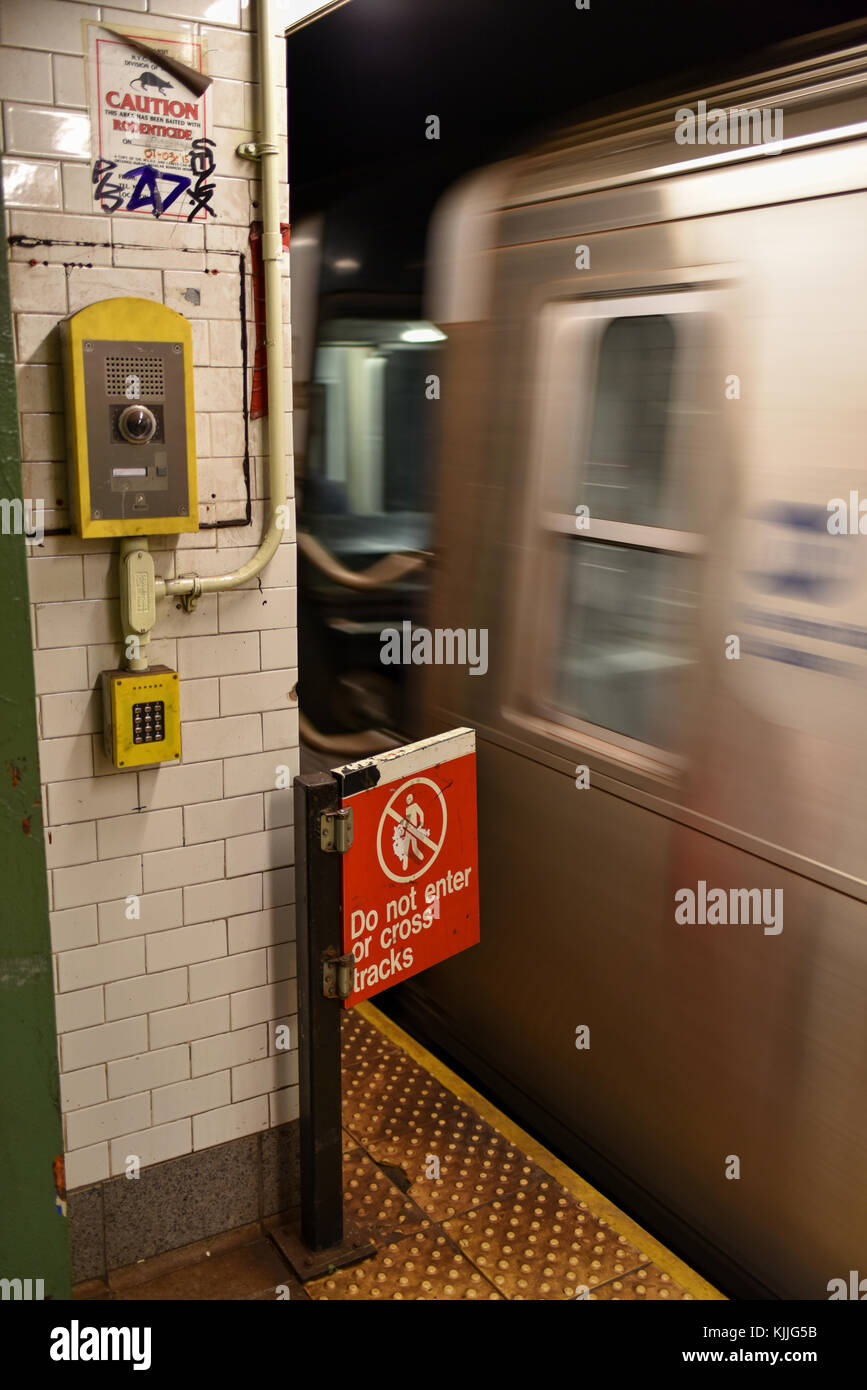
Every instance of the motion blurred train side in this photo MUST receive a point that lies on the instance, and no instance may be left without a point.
(652, 389)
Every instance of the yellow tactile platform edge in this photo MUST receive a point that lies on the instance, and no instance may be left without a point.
(691, 1282)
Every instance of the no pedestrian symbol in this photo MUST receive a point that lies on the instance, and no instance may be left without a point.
(409, 881)
(412, 830)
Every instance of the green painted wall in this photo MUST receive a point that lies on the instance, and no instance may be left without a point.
(33, 1235)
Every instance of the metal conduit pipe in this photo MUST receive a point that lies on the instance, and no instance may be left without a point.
(268, 154)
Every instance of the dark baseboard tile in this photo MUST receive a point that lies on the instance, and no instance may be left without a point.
(114, 1224)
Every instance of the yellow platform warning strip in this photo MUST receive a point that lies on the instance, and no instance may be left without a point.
(687, 1278)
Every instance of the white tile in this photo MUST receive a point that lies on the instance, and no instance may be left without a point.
(42, 130)
(278, 888)
(69, 85)
(25, 75)
(30, 183)
(279, 649)
(282, 962)
(226, 351)
(280, 727)
(50, 24)
(214, 820)
(218, 656)
(269, 849)
(108, 656)
(229, 55)
(214, 738)
(37, 337)
(263, 690)
(176, 868)
(145, 994)
(70, 844)
(217, 294)
(191, 1097)
(238, 972)
(228, 106)
(218, 388)
(75, 624)
(84, 1008)
(237, 896)
(42, 438)
(60, 670)
(86, 1166)
(116, 960)
(233, 1121)
(90, 286)
(90, 883)
(85, 799)
(105, 1121)
(189, 1022)
(254, 930)
(260, 1005)
(270, 1074)
(149, 1070)
(185, 945)
(37, 289)
(140, 832)
(63, 759)
(229, 1049)
(284, 1106)
(154, 1145)
(100, 576)
(40, 388)
(75, 712)
(174, 621)
(200, 699)
(80, 1088)
(56, 577)
(156, 912)
(244, 609)
(260, 773)
(77, 186)
(180, 786)
(103, 1043)
(74, 928)
(222, 478)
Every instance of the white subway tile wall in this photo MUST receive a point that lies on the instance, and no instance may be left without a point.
(171, 888)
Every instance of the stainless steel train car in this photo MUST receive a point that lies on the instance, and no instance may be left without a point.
(653, 497)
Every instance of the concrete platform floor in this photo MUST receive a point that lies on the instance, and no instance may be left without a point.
(462, 1205)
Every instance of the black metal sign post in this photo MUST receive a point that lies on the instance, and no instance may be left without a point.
(323, 1239)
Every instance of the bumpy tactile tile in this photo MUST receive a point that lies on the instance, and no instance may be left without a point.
(420, 1268)
(375, 1202)
(360, 1042)
(643, 1285)
(542, 1244)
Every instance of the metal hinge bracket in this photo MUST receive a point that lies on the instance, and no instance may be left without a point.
(337, 976)
(335, 831)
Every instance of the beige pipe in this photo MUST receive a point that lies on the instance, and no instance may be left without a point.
(272, 256)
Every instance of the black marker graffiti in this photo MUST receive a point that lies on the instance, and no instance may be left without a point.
(203, 164)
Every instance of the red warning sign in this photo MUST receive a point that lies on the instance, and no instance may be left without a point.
(410, 878)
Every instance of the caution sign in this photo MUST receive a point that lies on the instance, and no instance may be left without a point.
(153, 153)
(410, 894)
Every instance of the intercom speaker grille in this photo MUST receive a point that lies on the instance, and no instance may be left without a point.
(134, 377)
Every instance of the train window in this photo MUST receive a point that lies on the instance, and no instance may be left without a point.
(370, 448)
(622, 390)
(623, 473)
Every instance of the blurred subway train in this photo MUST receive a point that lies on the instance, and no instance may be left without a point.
(625, 436)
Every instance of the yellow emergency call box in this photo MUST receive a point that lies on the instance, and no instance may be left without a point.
(130, 419)
(141, 716)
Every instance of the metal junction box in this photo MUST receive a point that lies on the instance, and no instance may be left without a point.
(141, 716)
(130, 419)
